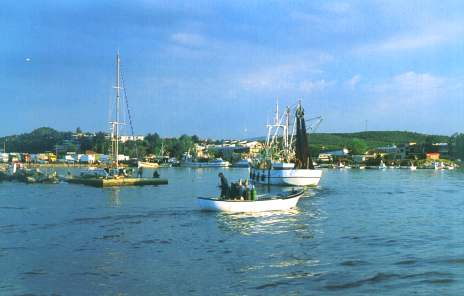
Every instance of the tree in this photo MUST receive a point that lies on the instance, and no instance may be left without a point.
(358, 146)
(457, 146)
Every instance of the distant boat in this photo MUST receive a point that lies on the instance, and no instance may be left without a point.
(215, 163)
(283, 201)
(147, 164)
(438, 165)
(242, 163)
(382, 165)
(286, 160)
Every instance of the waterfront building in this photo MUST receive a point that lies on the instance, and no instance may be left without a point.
(124, 139)
(432, 155)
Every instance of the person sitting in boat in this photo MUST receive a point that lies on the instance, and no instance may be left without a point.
(242, 189)
(246, 190)
(224, 186)
(156, 175)
(234, 191)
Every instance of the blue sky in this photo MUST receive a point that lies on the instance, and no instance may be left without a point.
(216, 68)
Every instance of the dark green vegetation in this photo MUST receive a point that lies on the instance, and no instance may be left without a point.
(362, 141)
(47, 139)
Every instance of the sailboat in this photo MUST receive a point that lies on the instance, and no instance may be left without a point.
(286, 160)
(114, 175)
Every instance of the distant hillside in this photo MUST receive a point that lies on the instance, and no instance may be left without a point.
(371, 139)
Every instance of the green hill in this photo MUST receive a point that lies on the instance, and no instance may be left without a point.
(368, 140)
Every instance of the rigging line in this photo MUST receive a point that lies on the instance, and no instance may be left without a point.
(129, 115)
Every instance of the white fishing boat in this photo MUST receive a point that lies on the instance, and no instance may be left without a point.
(283, 201)
(286, 160)
(285, 174)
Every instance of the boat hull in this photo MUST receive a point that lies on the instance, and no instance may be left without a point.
(112, 182)
(248, 206)
(287, 177)
(145, 164)
(204, 165)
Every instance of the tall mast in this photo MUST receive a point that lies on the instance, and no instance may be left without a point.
(115, 123)
(118, 95)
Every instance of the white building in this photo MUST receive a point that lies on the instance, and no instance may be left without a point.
(124, 139)
(87, 158)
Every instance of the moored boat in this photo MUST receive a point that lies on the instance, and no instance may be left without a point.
(282, 201)
(286, 160)
(147, 164)
(215, 163)
(242, 163)
(115, 175)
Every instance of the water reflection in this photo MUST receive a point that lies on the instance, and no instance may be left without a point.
(277, 222)
(114, 200)
(295, 220)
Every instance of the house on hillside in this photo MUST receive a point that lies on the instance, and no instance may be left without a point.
(336, 153)
(441, 148)
(432, 155)
(409, 151)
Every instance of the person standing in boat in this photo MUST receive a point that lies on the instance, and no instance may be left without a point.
(224, 185)
(140, 172)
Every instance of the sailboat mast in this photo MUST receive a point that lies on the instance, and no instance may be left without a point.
(117, 107)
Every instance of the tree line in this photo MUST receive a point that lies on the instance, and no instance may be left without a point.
(50, 140)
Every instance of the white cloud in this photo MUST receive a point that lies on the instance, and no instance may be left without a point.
(294, 76)
(188, 39)
(434, 34)
(408, 92)
(353, 81)
(338, 7)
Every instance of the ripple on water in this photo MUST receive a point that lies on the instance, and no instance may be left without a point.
(429, 277)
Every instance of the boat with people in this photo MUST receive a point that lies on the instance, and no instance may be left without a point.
(285, 159)
(114, 174)
(262, 203)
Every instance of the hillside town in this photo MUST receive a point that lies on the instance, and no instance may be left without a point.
(77, 149)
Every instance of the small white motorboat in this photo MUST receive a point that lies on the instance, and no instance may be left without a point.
(147, 164)
(282, 201)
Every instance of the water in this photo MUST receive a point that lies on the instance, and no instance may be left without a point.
(392, 232)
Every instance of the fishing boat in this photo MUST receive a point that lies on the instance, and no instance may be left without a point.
(282, 201)
(114, 175)
(286, 160)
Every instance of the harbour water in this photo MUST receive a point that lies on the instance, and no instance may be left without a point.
(391, 232)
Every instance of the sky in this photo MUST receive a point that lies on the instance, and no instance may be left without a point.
(217, 68)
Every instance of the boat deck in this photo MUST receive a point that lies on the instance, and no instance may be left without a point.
(100, 182)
